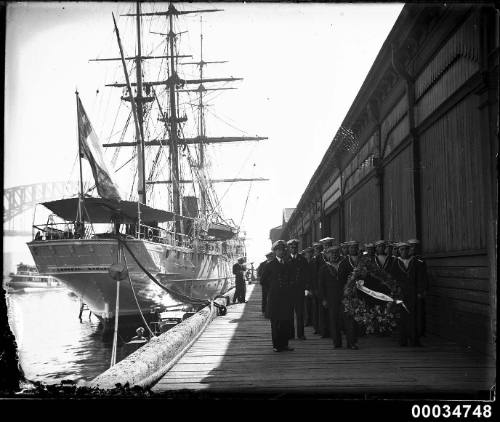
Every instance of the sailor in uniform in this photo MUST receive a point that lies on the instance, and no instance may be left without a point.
(332, 293)
(276, 275)
(389, 245)
(265, 287)
(307, 253)
(382, 260)
(316, 262)
(346, 267)
(298, 277)
(407, 272)
(344, 250)
(369, 251)
(323, 320)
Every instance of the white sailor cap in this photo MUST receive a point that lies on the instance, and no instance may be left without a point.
(369, 245)
(413, 241)
(326, 240)
(269, 254)
(352, 243)
(402, 245)
(293, 241)
(380, 242)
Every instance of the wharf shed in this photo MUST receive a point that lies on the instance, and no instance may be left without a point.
(416, 156)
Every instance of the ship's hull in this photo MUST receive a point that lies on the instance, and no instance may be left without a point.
(82, 265)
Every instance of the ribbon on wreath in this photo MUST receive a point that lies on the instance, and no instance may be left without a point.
(378, 295)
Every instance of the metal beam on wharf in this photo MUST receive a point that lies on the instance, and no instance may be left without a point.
(234, 355)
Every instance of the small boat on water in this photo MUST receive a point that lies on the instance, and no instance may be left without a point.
(27, 279)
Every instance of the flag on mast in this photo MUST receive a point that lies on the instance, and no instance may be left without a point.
(92, 151)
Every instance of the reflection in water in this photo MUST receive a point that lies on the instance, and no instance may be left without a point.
(52, 342)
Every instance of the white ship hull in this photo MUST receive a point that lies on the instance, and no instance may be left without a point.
(82, 265)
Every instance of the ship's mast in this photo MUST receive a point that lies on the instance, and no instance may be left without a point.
(141, 184)
(174, 138)
(201, 133)
(173, 83)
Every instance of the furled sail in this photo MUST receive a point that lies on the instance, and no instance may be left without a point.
(92, 151)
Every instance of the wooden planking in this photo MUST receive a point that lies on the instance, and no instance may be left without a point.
(362, 213)
(399, 212)
(452, 204)
(235, 354)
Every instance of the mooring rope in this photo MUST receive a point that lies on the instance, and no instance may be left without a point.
(136, 301)
(177, 295)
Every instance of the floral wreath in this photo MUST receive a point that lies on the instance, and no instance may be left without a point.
(380, 318)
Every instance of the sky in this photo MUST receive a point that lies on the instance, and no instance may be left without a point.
(302, 65)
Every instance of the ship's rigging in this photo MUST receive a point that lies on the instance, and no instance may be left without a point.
(172, 146)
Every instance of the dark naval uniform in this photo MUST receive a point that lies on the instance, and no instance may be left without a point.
(239, 294)
(265, 287)
(383, 263)
(332, 290)
(412, 281)
(315, 264)
(298, 267)
(346, 268)
(279, 301)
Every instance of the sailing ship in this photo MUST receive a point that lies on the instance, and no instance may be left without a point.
(179, 252)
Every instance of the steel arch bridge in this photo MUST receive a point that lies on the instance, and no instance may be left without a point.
(21, 199)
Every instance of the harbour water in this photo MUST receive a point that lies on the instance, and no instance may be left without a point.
(53, 344)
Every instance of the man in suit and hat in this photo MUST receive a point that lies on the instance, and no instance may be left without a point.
(279, 300)
(298, 277)
(405, 271)
(332, 293)
(265, 287)
(423, 281)
(346, 267)
(239, 272)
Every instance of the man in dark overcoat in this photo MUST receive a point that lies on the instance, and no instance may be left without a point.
(332, 292)
(239, 272)
(408, 273)
(298, 277)
(279, 300)
(346, 267)
(265, 286)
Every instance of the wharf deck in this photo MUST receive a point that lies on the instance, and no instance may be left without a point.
(235, 355)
